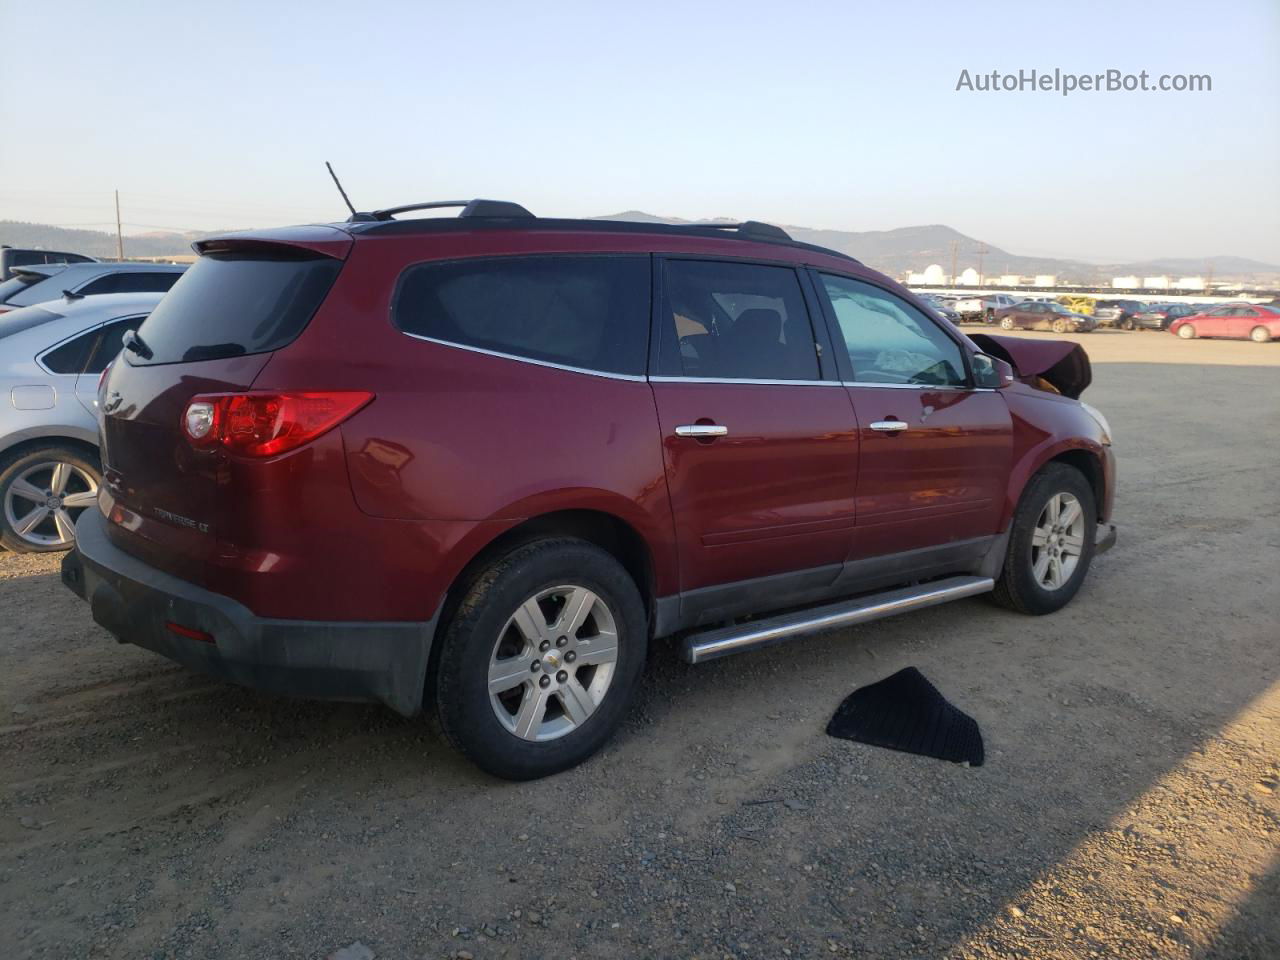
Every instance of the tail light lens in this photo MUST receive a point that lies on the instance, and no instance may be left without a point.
(265, 424)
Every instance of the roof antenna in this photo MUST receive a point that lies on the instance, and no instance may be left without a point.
(337, 183)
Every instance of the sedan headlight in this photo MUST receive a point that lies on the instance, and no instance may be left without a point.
(1101, 421)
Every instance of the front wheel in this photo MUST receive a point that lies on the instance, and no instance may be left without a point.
(1050, 542)
(541, 659)
(1259, 334)
(1059, 326)
(1187, 332)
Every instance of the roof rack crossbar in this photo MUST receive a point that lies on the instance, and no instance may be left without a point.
(470, 208)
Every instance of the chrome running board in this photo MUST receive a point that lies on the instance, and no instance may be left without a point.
(723, 641)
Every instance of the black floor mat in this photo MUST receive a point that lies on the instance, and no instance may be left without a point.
(906, 712)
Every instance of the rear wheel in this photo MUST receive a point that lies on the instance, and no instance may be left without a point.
(1006, 323)
(541, 659)
(1259, 334)
(1050, 542)
(1187, 332)
(1128, 324)
(42, 493)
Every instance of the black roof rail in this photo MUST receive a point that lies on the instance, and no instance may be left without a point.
(748, 228)
(470, 208)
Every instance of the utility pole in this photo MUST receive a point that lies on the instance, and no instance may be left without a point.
(982, 252)
(119, 234)
(955, 251)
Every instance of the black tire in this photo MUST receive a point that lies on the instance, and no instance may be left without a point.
(468, 717)
(12, 467)
(1007, 323)
(1259, 334)
(1017, 587)
(1128, 324)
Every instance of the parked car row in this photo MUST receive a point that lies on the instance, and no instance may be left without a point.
(63, 317)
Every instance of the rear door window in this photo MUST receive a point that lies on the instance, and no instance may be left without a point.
(110, 342)
(585, 312)
(736, 321)
(229, 305)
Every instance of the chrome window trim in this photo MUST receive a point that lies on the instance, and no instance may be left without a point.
(907, 386)
(633, 378)
(745, 380)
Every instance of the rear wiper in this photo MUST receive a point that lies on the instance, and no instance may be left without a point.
(136, 344)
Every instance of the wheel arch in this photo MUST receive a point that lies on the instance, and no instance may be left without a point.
(1088, 459)
(76, 442)
(604, 529)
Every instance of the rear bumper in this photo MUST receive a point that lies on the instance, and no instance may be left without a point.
(381, 661)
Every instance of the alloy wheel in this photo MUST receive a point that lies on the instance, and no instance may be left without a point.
(553, 663)
(1057, 541)
(43, 502)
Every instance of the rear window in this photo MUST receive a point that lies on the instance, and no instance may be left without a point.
(15, 284)
(228, 305)
(589, 312)
(18, 320)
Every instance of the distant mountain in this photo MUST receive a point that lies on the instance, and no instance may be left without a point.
(95, 243)
(891, 251)
(913, 248)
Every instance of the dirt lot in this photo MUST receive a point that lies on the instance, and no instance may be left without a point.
(1129, 807)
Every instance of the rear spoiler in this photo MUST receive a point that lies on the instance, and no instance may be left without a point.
(35, 272)
(1062, 364)
(286, 242)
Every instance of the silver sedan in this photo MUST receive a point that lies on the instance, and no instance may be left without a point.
(51, 355)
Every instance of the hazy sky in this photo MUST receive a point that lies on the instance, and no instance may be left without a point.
(840, 115)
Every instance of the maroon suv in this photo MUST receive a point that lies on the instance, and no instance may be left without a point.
(482, 462)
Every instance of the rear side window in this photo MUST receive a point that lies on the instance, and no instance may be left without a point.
(227, 305)
(737, 321)
(589, 312)
(72, 356)
(132, 282)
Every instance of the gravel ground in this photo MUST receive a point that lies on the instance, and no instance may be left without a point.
(1129, 806)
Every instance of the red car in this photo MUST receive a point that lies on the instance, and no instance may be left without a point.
(1233, 321)
(482, 462)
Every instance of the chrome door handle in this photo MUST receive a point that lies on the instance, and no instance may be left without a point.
(889, 426)
(702, 430)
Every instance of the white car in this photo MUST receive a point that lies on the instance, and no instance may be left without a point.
(51, 355)
(984, 308)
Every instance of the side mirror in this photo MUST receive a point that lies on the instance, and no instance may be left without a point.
(990, 373)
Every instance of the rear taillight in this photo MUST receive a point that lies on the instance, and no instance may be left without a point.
(265, 424)
(102, 378)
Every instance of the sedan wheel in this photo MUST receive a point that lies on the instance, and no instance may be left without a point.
(1059, 326)
(553, 663)
(1187, 332)
(1006, 323)
(43, 496)
(1259, 334)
